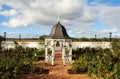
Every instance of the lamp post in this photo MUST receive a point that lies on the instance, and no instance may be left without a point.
(95, 36)
(110, 35)
(19, 37)
(4, 40)
(5, 36)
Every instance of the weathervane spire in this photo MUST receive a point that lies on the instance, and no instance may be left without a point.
(58, 17)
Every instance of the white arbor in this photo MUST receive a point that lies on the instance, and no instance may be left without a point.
(58, 35)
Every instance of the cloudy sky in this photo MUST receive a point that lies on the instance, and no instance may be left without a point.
(81, 18)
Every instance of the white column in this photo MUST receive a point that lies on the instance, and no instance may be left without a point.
(53, 50)
(52, 56)
(63, 52)
(70, 52)
(64, 62)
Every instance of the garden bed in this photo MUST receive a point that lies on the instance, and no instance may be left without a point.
(70, 71)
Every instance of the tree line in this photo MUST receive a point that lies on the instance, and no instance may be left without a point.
(82, 39)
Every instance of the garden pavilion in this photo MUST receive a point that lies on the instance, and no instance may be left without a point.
(58, 37)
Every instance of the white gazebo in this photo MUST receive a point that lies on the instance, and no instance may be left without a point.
(59, 36)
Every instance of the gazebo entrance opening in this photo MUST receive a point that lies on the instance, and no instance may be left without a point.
(58, 46)
(58, 40)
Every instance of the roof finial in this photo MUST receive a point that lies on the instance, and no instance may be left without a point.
(58, 17)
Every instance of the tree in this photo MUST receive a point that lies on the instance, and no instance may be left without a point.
(1, 39)
(42, 37)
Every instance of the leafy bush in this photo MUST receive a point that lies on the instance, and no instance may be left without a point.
(80, 51)
(102, 63)
(15, 62)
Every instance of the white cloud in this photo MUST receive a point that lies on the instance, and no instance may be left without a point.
(44, 12)
(75, 14)
(15, 22)
(11, 13)
(23, 35)
(110, 16)
(0, 7)
(99, 33)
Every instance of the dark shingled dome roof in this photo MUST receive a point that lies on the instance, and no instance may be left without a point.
(58, 32)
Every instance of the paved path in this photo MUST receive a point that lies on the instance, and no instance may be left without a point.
(58, 71)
